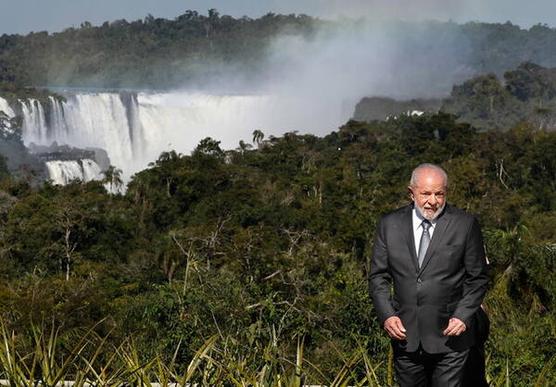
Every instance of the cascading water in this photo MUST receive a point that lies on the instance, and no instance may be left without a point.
(6, 108)
(64, 171)
(134, 128)
(84, 120)
(8, 113)
(34, 121)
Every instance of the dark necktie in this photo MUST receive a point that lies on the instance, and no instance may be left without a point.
(425, 241)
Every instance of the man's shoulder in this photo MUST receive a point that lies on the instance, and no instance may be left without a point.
(397, 214)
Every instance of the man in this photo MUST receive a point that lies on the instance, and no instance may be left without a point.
(433, 255)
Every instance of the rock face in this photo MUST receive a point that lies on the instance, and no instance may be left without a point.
(67, 153)
(18, 160)
(382, 108)
(526, 94)
(21, 162)
(65, 163)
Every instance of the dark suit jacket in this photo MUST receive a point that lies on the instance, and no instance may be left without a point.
(451, 282)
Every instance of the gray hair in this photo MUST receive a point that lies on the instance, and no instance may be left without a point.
(439, 169)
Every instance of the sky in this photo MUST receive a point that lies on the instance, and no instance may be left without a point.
(24, 16)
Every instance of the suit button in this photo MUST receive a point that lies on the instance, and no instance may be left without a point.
(419, 280)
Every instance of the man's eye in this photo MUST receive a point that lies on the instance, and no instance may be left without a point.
(427, 194)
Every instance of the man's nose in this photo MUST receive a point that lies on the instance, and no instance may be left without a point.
(433, 199)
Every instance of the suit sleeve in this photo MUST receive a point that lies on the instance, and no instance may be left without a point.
(379, 276)
(476, 275)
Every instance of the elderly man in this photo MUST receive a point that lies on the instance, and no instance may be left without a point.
(427, 280)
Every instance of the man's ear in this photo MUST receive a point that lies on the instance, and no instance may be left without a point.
(410, 192)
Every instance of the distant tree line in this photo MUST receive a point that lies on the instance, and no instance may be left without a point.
(157, 52)
(152, 52)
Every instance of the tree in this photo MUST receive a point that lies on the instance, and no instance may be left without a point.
(243, 147)
(258, 137)
(209, 147)
(68, 220)
(113, 179)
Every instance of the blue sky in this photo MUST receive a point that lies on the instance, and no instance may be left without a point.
(23, 16)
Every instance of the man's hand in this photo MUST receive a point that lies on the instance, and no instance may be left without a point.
(455, 327)
(393, 325)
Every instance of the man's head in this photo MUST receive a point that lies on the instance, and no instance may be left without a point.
(427, 188)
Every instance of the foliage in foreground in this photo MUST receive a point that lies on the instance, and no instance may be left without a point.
(87, 359)
(218, 361)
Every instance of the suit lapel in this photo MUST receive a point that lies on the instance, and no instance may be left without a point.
(439, 230)
(408, 234)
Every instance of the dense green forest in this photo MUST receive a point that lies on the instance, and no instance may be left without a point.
(250, 264)
(195, 48)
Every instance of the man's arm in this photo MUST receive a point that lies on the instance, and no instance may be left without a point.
(379, 287)
(379, 276)
(476, 275)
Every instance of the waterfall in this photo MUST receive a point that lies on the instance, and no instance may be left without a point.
(6, 112)
(34, 124)
(84, 120)
(135, 128)
(180, 120)
(6, 108)
(91, 170)
(62, 172)
(57, 120)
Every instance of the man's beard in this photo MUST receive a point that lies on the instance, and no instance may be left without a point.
(434, 216)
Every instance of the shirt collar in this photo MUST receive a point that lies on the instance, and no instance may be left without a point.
(418, 219)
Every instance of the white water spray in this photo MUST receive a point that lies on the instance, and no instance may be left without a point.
(62, 172)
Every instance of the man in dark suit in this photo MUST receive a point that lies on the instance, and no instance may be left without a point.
(427, 280)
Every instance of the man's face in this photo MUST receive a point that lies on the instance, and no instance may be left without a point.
(429, 193)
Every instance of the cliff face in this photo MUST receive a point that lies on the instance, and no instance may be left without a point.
(17, 160)
(21, 163)
(382, 108)
(524, 95)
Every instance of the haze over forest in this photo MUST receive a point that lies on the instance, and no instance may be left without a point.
(327, 66)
